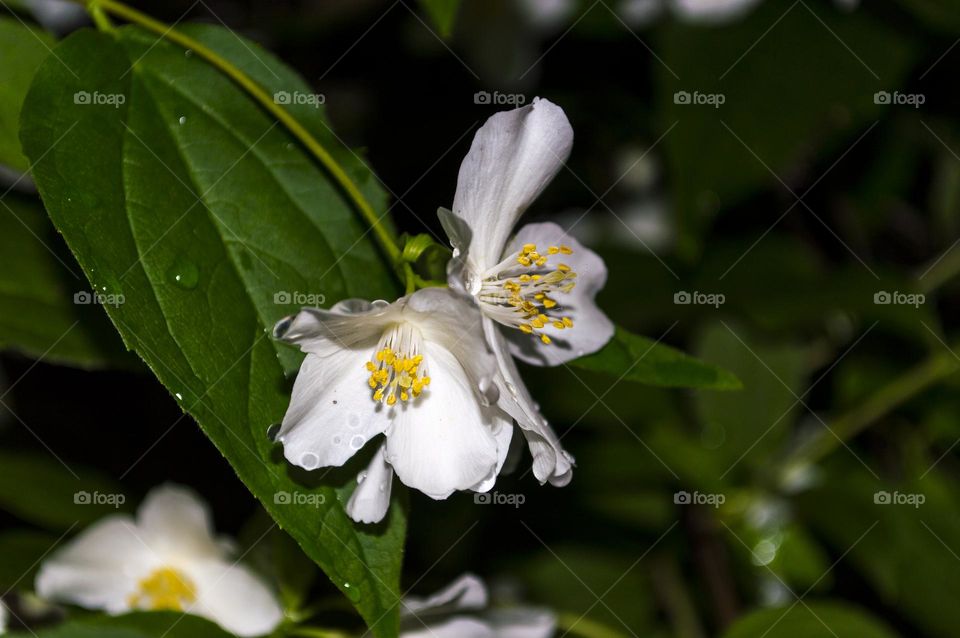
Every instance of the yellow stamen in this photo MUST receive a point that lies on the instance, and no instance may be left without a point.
(164, 589)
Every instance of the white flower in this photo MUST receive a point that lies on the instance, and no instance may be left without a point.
(3, 618)
(540, 286)
(418, 371)
(166, 559)
(461, 611)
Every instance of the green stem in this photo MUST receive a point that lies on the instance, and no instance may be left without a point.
(383, 235)
(100, 18)
(879, 404)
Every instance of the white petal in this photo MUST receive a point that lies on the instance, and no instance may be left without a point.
(467, 592)
(503, 431)
(550, 461)
(332, 413)
(591, 328)
(459, 627)
(442, 442)
(3, 618)
(174, 520)
(346, 324)
(371, 499)
(513, 157)
(454, 322)
(712, 11)
(522, 622)
(234, 597)
(100, 568)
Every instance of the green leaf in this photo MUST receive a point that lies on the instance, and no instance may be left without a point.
(914, 576)
(442, 13)
(40, 285)
(137, 625)
(809, 620)
(22, 48)
(40, 489)
(634, 358)
(162, 624)
(278, 558)
(750, 424)
(208, 217)
(811, 82)
(22, 551)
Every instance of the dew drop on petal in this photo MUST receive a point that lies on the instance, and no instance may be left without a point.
(512, 388)
(337, 440)
(489, 392)
(309, 461)
(383, 487)
(354, 420)
(357, 442)
(361, 477)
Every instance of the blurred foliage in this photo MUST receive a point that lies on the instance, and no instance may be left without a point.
(799, 199)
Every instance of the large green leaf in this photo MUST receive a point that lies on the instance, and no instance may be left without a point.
(45, 307)
(22, 49)
(631, 357)
(207, 216)
(809, 620)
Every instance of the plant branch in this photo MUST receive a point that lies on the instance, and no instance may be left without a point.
(879, 404)
(385, 238)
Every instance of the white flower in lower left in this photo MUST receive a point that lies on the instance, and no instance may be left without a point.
(167, 558)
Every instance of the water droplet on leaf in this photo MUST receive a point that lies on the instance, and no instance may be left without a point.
(273, 431)
(352, 592)
(184, 274)
(182, 120)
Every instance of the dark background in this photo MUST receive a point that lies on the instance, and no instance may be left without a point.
(707, 190)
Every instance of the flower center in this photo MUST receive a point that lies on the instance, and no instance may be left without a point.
(164, 589)
(519, 291)
(397, 369)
